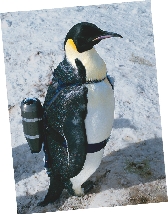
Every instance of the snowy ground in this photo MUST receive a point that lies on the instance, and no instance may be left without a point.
(132, 170)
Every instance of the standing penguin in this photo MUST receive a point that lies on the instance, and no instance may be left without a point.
(79, 113)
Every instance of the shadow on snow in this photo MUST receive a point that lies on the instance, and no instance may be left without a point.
(136, 164)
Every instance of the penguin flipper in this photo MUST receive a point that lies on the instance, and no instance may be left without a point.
(66, 116)
(75, 135)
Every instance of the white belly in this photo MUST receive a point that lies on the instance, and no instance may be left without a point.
(98, 124)
(100, 111)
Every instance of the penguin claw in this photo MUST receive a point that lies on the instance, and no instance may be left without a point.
(88, 185)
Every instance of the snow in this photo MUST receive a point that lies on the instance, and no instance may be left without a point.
(132, 169)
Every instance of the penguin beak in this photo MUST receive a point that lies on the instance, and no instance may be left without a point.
(106, 34)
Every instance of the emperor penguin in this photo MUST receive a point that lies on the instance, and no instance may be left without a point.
(79, 113)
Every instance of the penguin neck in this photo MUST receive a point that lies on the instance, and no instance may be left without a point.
(94, 64)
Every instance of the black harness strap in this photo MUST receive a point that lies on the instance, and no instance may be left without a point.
(94, 81)
(95, 147)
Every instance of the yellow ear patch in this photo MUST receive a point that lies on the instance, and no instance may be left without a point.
(71, 43)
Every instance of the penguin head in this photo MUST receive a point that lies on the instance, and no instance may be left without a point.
(83, 36)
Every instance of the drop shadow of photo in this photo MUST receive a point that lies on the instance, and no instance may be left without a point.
(138, 163)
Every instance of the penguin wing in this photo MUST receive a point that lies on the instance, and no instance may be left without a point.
(67, 116)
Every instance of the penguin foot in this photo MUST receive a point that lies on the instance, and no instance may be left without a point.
(55, 189)
(51, 197)
(46, 201)
(75, 190)
(68, 186)
(87, 186)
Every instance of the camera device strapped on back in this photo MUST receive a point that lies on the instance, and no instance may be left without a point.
(32, 120)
